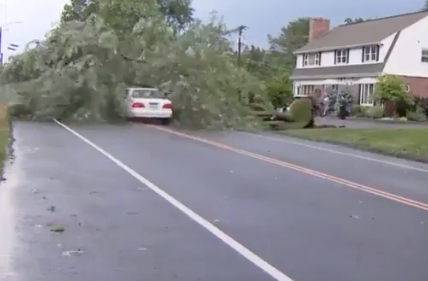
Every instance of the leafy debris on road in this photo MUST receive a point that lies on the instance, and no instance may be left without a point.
(57, 228)
(72, 253)
(51, 208)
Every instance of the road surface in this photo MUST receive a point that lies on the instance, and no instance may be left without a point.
(143, 203)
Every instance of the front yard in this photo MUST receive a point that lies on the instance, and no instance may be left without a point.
(406, 143)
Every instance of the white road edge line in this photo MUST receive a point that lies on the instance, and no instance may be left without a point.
(349, 154)
(235, 245)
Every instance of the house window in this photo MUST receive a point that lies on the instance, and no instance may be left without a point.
(424, 55)
(406, 87)
(341, 56)
(370, 53)
(305, 90)
(366, 94)
(311, 59)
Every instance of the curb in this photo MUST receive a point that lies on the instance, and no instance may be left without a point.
(362, 148)
(368, 120)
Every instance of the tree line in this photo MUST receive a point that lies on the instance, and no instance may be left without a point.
(101, 46)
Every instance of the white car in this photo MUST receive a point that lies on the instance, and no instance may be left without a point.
(147, 103)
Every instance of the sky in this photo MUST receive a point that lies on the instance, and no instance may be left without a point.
(261, 16)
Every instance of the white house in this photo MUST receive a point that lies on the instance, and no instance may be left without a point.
(355, 55)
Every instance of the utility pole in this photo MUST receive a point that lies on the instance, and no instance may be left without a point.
(1, 51)
(240, 31)
(1, 36)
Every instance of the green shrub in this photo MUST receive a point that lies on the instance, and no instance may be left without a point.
(418, 115)
(374, 112)
(362, 111)
(419, 104)
(356, 110)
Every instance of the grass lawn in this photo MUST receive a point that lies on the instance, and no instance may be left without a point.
(4, 135)
(406, 143)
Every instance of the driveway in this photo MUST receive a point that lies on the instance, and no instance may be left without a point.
(139, 203)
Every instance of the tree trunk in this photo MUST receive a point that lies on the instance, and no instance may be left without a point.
(389, 109)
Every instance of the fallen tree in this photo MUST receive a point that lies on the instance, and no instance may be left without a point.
(81, 70)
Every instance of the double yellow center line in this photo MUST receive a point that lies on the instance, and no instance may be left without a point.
(301, 169)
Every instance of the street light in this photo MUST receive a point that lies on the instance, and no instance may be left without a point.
(2, 28)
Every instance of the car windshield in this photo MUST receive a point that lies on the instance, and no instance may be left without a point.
(148, 94)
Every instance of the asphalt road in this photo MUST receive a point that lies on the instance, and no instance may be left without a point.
(312, 212)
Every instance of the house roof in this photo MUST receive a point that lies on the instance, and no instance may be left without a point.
(364, 33)
(345, 71)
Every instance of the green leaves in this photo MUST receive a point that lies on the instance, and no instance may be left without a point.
(292, 37)
(391, 88)
(81, 71)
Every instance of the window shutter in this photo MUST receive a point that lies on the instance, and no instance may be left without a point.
(335, 57)
(319, 60)
(377, 52)
(347, 55)
(363, 54)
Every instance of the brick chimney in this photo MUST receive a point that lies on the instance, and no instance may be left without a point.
(318, 27)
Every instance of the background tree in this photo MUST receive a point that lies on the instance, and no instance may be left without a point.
(356, 20)
(391, 93)
(179, 13)
(389, 88)
(82, 69)
(279, 89)
(282, 61)
(79, 10)
(292, 37)
(123, 15)
(425, 7)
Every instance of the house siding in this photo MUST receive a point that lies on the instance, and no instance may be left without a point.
(418, 85)
(405, 58)
(355, 56)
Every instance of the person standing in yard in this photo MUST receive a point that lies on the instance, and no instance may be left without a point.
(343, 109)
(326, 104)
